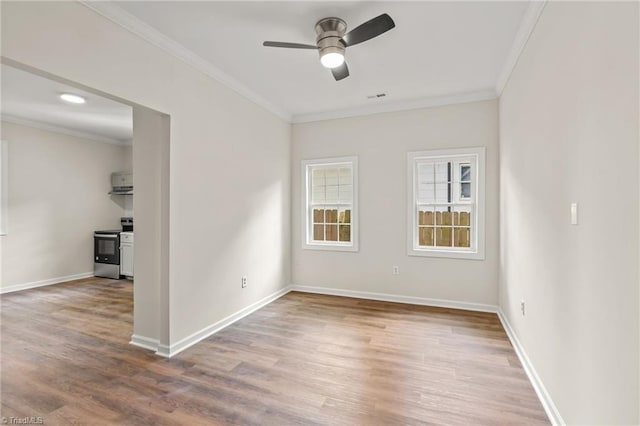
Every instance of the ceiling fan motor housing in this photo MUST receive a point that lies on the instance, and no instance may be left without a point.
(330, 32)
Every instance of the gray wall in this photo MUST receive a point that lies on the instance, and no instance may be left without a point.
(569, 133)
(381, 143)
(58, 195)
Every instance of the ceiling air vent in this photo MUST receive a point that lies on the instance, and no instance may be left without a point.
(379, 95)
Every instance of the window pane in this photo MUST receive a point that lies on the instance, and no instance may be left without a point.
(345, 176)
(345, 232)
(318, 232)
(442, 171)
(465, 191)
(425, 217)
(443, 236)
(425, 173)
(443, 216)
(344, 216)
(345, 193)
(462, 216)
(442, 193)
(462, 223)
(332, 194)
(462, 237)
(331, 176)
(331, 216)
(425, 236)
(465, 173)
(317, 194)
(332, 232)
(317, 176)
(318, 215)
(426, 193)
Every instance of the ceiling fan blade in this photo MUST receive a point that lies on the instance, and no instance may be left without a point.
(370, 29)
(289, 45)
(340, 72)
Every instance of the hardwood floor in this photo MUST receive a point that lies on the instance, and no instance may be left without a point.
(302, 360)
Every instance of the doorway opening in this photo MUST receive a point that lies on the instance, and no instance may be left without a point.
(86, 179)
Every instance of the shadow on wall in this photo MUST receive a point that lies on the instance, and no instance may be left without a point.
(262, 241)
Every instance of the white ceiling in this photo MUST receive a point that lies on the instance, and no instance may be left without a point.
(33, 100)
(437, 50)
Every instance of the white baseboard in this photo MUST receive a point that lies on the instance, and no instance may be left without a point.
(164, 351)
(412, 300)
(181, 345)
(545, 399)
(145, 342)
(42, 283)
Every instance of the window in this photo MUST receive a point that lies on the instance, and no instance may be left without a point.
(330, 204)
(446, 203)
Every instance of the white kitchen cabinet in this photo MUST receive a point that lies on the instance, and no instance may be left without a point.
(126, 254)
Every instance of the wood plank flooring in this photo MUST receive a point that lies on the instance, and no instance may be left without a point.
(302, 360)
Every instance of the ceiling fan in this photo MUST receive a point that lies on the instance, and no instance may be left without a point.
(332, 41)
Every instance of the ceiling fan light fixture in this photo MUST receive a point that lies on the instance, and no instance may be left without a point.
(332, 40)
(332, 59)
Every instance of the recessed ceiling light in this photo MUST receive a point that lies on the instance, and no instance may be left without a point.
(74, 99)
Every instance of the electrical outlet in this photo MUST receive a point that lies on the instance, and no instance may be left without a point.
(395, 270)
(244, 282)
(522, 306)
(574, 213)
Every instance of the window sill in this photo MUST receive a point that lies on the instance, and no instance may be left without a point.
(449, 254)
(330, 247)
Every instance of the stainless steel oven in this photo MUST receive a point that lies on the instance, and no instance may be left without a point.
(106, 254)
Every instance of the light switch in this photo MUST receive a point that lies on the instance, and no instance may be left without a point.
(574, 213)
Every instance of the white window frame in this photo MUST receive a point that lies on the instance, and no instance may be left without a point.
(458, 156)
(307, 241)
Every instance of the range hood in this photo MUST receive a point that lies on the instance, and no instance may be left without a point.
(121, 190)
(121, 183)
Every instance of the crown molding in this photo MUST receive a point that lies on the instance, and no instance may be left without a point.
(460, 98)
(62, 130)
(116, 14)
(527, 25)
